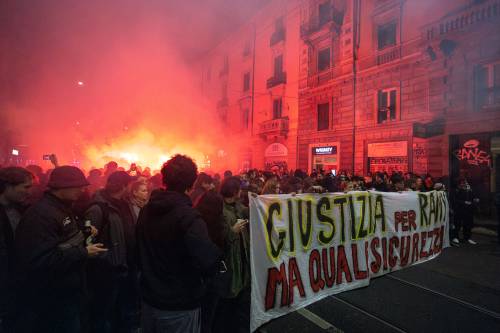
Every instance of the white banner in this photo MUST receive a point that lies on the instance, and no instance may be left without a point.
(308, 246)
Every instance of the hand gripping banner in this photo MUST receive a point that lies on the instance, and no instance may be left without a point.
(309, 246)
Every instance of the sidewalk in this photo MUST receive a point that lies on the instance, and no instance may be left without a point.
(485, 226)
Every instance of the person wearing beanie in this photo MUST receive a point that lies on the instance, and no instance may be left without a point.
(112, 278)
(50, 258)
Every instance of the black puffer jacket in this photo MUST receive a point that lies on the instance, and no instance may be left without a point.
(175, 252)
(49, 252)
(6, 253)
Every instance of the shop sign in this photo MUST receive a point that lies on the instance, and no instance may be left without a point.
(473, 154)
(384, 149)
(326, 150)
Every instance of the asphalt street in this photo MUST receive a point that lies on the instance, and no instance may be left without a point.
(457, 292)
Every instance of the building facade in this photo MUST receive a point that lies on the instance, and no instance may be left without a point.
(251, 81)
(378, 85)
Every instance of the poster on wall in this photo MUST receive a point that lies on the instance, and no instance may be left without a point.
(420, 156)
(388, 156)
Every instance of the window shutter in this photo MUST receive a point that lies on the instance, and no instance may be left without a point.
(382, 107)
(393, 104)
(323, 119)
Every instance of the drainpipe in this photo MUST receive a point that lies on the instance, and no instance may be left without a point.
(253, 74)
(355, 46)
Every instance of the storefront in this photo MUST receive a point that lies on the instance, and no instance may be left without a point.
(472, 157)
(388, 156)
(276, 155)
(324, 157)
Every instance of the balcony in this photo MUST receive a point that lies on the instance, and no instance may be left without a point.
(391, 54)
(222, 103)
(276, 80)
(463, 18)
(321, 78)
(333, 23)
(387, 55)
(277, 36)
(274, 127)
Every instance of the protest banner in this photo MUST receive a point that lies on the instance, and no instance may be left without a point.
(309, 246)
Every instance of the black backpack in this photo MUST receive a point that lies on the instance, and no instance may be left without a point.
(112, 256)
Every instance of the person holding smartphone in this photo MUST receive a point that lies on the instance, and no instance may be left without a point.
(233, 312)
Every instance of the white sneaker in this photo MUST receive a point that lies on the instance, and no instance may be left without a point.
(471, 242)
(455, 240)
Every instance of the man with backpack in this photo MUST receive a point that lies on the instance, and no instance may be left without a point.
(112, 278)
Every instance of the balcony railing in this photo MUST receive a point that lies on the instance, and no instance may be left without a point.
(320, 78)
(463, 18)
(333, 22)
(276, 80)
(276, 127)
(391, 54)
(388, 55)
(277, 36)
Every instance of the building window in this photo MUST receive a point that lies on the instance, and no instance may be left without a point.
(386, 105)
(278, 66)
(245, 118)
(324, 13)
(386, 35)
(323, 116)
(323, 59)
(279, 32)
(277, 108)
(487, 85)
(209, 74)
(246, 82)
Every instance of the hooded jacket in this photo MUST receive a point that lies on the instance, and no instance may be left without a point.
(175, 252)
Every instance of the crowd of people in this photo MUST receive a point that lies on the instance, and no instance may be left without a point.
(127, 249)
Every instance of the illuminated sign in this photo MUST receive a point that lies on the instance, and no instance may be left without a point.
(326, 150)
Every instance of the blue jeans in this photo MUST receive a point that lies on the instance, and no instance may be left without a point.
(161, 321)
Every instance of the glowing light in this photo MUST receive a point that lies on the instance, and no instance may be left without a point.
(15, 152)
(80, 83)
(141, 147)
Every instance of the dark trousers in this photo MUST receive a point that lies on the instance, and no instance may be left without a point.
(498, 224)
(465, 220)
(114, 305)
(208, 308)
(57, 315)
(233, 314)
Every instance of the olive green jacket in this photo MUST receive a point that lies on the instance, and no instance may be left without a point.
(237, 249)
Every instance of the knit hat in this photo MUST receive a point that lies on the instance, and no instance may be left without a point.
(120, 178)
(66, 177)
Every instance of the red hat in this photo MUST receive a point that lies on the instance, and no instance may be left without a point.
(67, 176)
